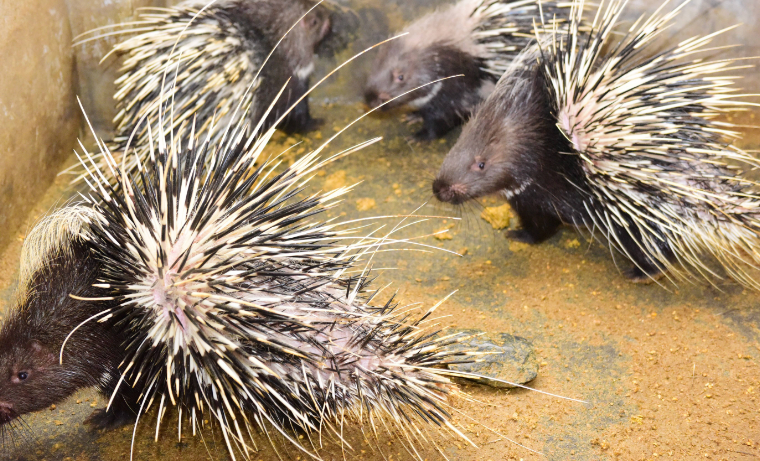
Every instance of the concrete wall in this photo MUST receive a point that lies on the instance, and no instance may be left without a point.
(38, 119)
(41, 75)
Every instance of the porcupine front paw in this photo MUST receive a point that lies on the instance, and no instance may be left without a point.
(426, 134)
(521, 235)
(301, 126)
(111, 419)
(637, 275)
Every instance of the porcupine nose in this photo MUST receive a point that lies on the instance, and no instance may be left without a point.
(6, 412)
(445, 192)
(375, 98)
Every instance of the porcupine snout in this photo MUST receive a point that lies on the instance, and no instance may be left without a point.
(449, 193)
(6, 412)
(374, 98)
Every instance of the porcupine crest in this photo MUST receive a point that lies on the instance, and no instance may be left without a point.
(644, 127)
(505, 29)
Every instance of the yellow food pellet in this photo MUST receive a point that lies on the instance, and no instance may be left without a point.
(497, 217)
(364, 204)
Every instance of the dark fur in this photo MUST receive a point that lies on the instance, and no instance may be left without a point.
(31, 338)
(264, 22)
(514, 136)
(452, 104)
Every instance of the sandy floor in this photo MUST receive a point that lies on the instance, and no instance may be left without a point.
(668, 372)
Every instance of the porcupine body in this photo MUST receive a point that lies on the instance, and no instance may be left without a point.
(475, 38)
(217, 52)
(55, 265)
(608, 135)
(240, 306)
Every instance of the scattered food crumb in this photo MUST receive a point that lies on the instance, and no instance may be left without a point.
(497, 217)
(572, 243)
(443, 234)
(517, 246)
(336, 180)
(364, 204)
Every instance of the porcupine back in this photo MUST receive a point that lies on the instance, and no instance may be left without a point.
(217, 50)
(659, 162)
(240, 305)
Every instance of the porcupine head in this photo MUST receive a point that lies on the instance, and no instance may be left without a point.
(508, 145)
(277, 18)
(31, 376)
(437, 46)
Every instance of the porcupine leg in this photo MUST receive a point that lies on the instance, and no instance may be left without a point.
(123, 409)
(299, 120)
(435, 124)
(645, 269)
(537, 225)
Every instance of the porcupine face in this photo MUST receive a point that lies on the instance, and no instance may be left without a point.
(395, 71)
(502, 147)
(30, 377)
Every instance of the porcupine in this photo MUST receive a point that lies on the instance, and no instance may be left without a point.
(218, 52)
(607, 135)
(235, 306)
(475, 38)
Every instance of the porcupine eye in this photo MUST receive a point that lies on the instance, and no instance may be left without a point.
(482, 165)
(22, 375)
